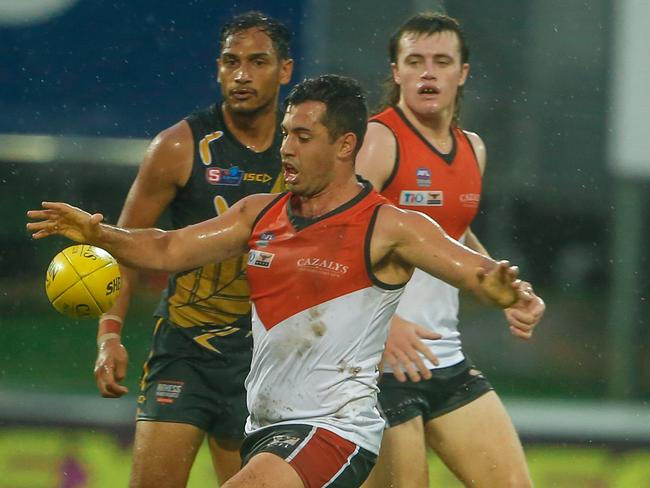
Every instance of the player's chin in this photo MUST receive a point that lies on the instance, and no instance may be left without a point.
(243, 107)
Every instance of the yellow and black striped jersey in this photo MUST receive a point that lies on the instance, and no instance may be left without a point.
(214, 300)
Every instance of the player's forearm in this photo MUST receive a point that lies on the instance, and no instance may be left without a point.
(143, 249)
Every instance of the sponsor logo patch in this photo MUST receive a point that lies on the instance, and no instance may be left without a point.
(168, 391)
(470, 199)
(264, 239)
(224, 176)
(421, 198)
(257, 177)
(261, 259)
(423, 177)
(283, 440)
(321, 265)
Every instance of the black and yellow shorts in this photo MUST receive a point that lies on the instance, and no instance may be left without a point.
(187, 383)
(447, 390)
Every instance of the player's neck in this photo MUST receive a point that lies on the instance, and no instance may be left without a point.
(433, 127)
(336, 193)
(254, 130)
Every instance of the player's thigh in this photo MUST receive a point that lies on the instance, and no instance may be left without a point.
(265, 470)
(402, 461)
(163, 454)
(226, 458)
(478, 442)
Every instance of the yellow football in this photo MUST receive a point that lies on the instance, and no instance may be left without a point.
(83, 281)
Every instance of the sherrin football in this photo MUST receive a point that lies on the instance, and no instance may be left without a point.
(83, 281)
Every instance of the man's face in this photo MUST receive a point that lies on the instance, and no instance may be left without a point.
(308, 155)
(429, 71)
(250, 71)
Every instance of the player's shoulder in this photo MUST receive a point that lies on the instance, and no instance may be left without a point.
(478, 146)
(253, 205)
(377, 129)
(473, 137)
(175, 140)
(394, 219)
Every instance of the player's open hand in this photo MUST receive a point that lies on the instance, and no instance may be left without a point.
(500, 284)
(62, 219)
(403, 347)
(526, 312)
(110, 368)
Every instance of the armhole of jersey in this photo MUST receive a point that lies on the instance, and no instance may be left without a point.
(471, 145)
(396, 162)
(266, 209)
(366, 251)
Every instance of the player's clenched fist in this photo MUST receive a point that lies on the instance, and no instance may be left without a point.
(526, 312)
(62, 219)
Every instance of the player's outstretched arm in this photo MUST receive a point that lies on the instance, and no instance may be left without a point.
(403, 240)
(166, 167)
(213, 240)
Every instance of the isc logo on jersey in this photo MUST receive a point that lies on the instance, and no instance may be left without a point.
(261, 259)
(421, 198)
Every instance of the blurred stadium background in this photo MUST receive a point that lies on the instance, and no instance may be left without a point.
(558, 91)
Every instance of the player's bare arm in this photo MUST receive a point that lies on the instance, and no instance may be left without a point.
(165, 168)
(214, 240)
(375, 163)
(403, 240)
(376, 158)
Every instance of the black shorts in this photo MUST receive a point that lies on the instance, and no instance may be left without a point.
(319, 456)
(447, 390)
(187, 383)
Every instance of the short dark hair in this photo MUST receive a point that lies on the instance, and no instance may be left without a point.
(423, 24)
(345, 102)
(279, 34)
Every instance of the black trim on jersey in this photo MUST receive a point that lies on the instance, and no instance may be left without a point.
(447, 158)
(393, 173)
(299, 223)
(267, 207)
(366, 251)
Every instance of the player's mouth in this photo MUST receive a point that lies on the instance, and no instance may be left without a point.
(242, 93)
(290, 173)
(428, 90)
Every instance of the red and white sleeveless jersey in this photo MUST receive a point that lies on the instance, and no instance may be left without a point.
(320, 320)
(447, 188)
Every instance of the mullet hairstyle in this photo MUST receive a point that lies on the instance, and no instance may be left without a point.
(423, 25)
(279, 34)
(345, 104)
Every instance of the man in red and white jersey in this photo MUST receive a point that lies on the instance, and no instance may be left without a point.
(418, 157)
(327, 264)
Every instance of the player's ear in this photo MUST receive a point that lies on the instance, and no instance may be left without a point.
(348, 144)
(395, 70)
(217, 67)
(463, 74)
(286, 70)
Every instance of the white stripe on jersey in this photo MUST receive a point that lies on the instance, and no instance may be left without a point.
(319, 367)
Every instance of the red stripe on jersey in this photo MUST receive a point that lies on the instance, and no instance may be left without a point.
(291, 270)
(323, 457)
(448, 191)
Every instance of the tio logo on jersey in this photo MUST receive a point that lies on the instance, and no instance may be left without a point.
(421, 198)
(261, 259)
